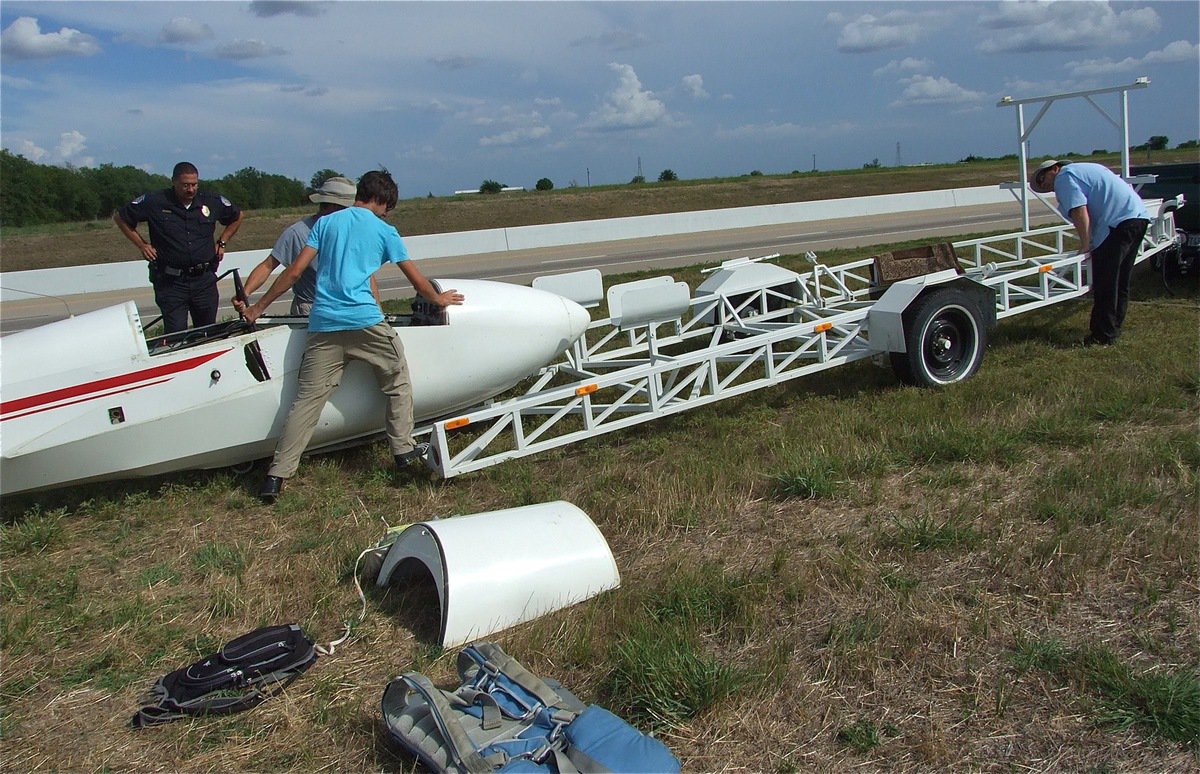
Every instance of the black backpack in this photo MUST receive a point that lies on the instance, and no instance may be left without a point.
(241, 675)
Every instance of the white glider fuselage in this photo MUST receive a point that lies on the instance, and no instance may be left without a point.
(84, 399)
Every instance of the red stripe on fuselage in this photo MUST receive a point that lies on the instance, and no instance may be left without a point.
(102, 387)
(85, 399)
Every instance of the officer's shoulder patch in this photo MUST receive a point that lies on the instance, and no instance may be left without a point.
(139, 200)
(226, 202)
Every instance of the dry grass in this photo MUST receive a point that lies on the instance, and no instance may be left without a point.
(878, 623)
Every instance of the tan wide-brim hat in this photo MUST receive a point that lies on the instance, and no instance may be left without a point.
(335, 190)
(1039, 173)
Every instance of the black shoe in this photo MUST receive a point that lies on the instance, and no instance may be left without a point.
(418, 453)
(271, 488)
(1091, 341)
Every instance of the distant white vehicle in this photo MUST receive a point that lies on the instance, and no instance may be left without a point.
(90, 398)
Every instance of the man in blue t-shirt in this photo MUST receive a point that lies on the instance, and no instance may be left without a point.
(346, 323)
(1110, 220)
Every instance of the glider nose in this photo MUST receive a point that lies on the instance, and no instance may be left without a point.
(578, 319)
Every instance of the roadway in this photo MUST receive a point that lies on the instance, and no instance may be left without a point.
(616, 257)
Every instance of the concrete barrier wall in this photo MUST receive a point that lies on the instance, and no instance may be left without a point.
(72, 280)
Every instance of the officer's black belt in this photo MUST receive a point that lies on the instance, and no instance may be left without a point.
(195, 270)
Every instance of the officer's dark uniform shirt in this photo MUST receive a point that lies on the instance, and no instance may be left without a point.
(182, 236)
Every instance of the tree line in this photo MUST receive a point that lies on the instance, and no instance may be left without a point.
(34, 194)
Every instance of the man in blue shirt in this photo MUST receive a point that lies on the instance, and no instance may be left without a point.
(182, 258)
(346, 323)
(1110, 220)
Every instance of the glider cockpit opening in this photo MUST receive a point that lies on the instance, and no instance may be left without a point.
(173, 342)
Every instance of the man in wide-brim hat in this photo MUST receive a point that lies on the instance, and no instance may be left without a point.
(1042, 179)
(334, 194)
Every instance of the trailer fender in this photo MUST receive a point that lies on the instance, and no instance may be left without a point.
(890, 316)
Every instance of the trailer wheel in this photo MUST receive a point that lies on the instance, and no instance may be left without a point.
(944, 337)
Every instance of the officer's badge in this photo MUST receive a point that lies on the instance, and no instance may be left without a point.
(204, 210)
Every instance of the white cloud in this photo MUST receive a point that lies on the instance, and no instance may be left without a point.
(694, 85)
(68, 150)
(28, 149)
(181, 29)
(11, 82)
(1066, 26)
(930, 90)
(247, 49)
(1177, 51)
(23, 39)
(431, 105)
(268, 8)
(1173, 53)
(515, 136)
(1026, 87)
(906, 65)
(876, 33)
(70, 144)
(628, 106)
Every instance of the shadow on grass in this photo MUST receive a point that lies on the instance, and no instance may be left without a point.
(15, 508)
(410, 599)
(358, 460)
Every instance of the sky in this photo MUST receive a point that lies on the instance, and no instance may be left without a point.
(447, 95)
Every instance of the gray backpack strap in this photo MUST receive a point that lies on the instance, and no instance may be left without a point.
(499, 661)
(491, 710)
(458, 743)
(565, 765)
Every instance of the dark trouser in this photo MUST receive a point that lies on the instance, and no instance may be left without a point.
(178, 296)
(1112, 265)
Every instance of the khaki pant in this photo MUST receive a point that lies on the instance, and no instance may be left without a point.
(325, 357)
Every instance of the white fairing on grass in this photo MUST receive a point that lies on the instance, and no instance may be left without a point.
(501, 568)
(83, 399)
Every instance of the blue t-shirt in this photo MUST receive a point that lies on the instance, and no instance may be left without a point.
(351, 245)
(1109, 199)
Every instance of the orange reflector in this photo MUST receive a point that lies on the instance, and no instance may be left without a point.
(586, 389)
(823, 327)
(1046, 268)
(454, 424)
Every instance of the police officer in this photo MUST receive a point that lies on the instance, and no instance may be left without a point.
(183, 261)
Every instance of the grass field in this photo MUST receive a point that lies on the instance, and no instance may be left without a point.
(840, 572)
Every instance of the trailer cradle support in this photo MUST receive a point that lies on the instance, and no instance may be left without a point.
(751, 325)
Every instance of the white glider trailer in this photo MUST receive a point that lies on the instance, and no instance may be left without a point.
(753, 324)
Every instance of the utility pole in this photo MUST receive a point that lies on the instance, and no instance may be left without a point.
(899, 163)
(814, 162)
(589, 176)
(639, 166)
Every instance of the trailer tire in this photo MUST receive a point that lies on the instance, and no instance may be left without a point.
(944, 339)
